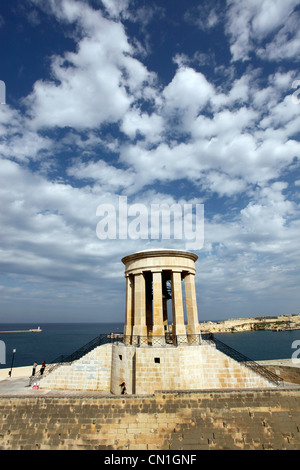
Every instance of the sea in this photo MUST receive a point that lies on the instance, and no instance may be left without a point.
(65, 338)
(54, 340)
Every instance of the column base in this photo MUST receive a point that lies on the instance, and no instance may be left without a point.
(158, 330)
(179, 334)
(193, 334)
(158, 336)
(139, 335)
(127, 334)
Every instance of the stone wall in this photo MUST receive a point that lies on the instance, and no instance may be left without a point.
(123, 368)
(182, 368)
(260, 419)
(91, 372)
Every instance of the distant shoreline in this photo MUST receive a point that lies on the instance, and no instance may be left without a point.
(237, 325)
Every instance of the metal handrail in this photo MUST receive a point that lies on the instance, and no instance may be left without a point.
(67, 359)
(168, 339)
(239, 357)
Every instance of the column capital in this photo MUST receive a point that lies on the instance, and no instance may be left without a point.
(152, 270)
(137, 272)
(188, 272)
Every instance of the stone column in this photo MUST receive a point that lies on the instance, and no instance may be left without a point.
(193, 327)
(139, 327)
(158, 321)
(177, 306)
(129, 309)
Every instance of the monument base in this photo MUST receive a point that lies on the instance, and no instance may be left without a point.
(148, 369)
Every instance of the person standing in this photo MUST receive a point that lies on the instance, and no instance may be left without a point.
(34, 369)
(43, 367)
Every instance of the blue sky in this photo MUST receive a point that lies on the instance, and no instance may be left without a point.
(192, 102)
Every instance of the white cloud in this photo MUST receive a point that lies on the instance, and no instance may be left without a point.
(188, 92)
(267, 217)
(18, 140)
(249, 22)
(254, 256)
(115, 7)
(226, 124)
(223, 184)
(105, 176)
(87, 95)
(240, 141)
(43, 227)
(150, 126)
(230, 140)
(286, 44)
(93, 85)
(246, 138)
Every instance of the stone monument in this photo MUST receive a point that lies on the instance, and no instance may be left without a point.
(159, 349)
(152, 278)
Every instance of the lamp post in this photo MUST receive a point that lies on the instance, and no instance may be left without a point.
(12, 362)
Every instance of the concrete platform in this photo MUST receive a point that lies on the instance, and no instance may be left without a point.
(281, 362)
(19, 385)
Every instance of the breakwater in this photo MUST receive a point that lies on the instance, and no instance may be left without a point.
(31, 330)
